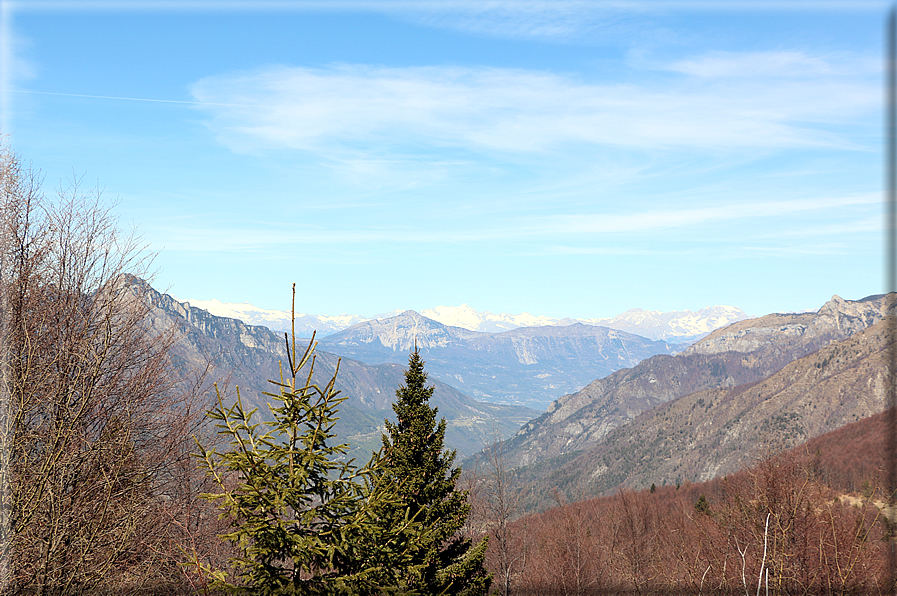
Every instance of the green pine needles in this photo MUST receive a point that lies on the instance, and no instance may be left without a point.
(415, 460)
(303, 521)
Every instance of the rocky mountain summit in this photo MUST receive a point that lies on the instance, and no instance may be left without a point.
(836, 319)
(529, 366)
(380, 340)
(742, 353)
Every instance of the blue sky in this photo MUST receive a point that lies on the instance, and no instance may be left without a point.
(562, 158)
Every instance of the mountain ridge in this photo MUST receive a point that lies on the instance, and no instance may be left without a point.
(529, 365)
(744, 352)
(676, 326)
(715, 432)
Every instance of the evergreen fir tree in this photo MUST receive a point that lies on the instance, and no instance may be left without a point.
(304, 520)
(416, 461)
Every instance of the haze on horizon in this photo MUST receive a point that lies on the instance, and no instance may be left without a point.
(566, 159)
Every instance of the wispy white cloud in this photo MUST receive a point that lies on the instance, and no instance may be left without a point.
(564, 250)
(825, 248)
(867, 225)
(552, 20)
(15, 67)
(613, 223)
(388, 110)
(260, 237)
(469, 6)
(394, 173)
(771, 64)
(561, 20)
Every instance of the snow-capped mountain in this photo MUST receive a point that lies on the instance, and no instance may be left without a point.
(467, 318)
(676, 326)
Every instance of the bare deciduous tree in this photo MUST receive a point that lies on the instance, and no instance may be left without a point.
(95, 422)
(495, 503)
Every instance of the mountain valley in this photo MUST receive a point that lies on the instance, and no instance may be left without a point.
(247, 356)
(635, 411)
(529, 366)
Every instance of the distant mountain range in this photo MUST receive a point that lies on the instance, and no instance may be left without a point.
(530, 366)
(682, 326)
(624, 410)
(277, 320)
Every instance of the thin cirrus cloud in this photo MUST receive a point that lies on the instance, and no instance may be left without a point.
(558, 20)
(514, 229)
(512, 111)
(774, 64)
(561, 20)
(681, 218)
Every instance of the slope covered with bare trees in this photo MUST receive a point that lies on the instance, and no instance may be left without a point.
(810, 520)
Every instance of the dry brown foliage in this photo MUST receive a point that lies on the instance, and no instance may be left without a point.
(777, 528)
(96, 484)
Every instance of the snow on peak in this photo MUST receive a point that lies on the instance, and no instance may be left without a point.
(467, 318)
(684, 324)
(278, 320)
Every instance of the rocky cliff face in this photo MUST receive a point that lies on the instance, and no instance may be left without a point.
(744, 352)
(836, 319)
(381, 340)
(529, 366)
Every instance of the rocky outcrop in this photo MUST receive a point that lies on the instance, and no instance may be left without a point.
(716, 432)
(398, 334)
(836, 319)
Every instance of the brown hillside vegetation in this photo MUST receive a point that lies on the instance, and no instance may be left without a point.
(800, 507)
(852, 458)
(97, 486)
